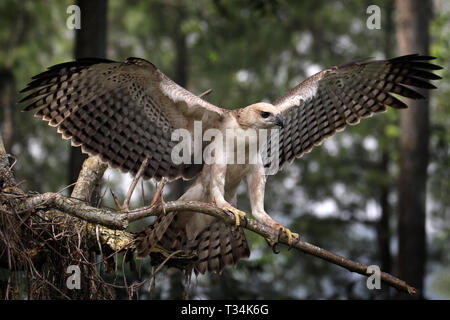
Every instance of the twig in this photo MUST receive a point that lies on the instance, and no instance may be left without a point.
(204, 94)
(153, 275)
(158, 195)
(116, 201)
(97, 234)
(134, 183)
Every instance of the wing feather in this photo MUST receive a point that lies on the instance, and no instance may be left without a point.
(330, 100)
(122, 111)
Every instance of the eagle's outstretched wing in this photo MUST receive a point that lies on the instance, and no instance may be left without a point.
(122, 111)
(329, 100)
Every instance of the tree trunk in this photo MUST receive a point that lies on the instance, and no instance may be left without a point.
(413, 18)
(90, 41)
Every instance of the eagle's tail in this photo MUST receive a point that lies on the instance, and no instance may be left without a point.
(149, 238)
(217, 246)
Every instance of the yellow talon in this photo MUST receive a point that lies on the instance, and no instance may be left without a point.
(238, 214)
(291, 235)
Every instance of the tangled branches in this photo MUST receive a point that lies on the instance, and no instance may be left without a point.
(36, 247)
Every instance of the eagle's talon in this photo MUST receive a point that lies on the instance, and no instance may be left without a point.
(274, 248)
(238, 215)
(290, 235)
(280, 232)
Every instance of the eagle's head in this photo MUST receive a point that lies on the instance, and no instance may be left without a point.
(260, 115)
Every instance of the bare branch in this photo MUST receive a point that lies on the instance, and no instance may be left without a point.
(204, 94)
(90, 174)
(75, 208)
(119, 220)
(158, 195)
(134, 183)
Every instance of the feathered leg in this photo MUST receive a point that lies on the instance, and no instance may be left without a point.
(256, 185)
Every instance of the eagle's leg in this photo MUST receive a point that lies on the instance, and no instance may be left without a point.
(264, 218)
(217, 189)
(256, 181)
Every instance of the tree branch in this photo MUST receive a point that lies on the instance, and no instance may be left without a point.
(90, 175)
(114, 222)
(120, 220)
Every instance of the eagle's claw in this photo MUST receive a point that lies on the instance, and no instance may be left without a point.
(274, 248)
(238, 215)
(290, 235)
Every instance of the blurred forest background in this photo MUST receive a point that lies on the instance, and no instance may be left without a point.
(343, 196)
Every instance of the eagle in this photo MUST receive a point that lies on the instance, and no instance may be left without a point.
(128, 112)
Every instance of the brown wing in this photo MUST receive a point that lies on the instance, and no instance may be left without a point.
(329, 100)
(122, 111)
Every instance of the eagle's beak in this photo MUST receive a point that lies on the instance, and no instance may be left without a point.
(279, 121)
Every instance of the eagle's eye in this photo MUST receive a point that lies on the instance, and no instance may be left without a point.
(265, 114)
